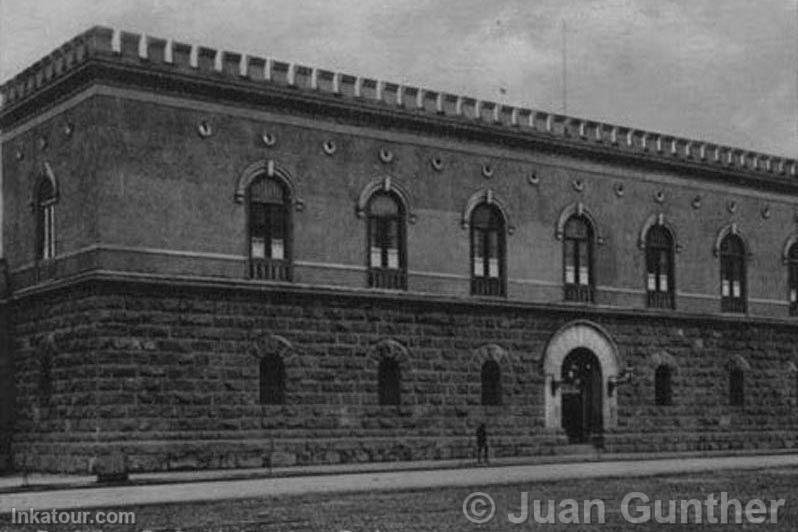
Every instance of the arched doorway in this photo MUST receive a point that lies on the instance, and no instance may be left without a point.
(584, 351)
(581, 396)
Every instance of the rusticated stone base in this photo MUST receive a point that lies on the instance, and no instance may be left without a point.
(258, 453)
(7, 387)
(168, 377)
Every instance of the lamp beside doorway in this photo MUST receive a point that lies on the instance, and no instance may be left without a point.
(623, 377)
(554, 383)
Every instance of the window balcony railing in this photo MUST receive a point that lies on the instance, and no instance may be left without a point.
(579, 292)
(487, 286)
(270, 270)
(732, 304)
(390, 278)
(661, 300)
(44, 270)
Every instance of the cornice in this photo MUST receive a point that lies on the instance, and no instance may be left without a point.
(392, 298)
(104, 56)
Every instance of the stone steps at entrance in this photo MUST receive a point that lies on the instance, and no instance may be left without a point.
(576, 449)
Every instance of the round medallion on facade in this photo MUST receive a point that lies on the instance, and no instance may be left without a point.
(533, 179)
(386, 155)
(19, 154)
(204, 129)
(69, 128)
(659, 197)
(42, 142)
(578, 185)
(329, 147)
(620, 190)
(487, 171)
(766, 212)
(696, 203)
(731, 206)
(269, 139)
(437, 163)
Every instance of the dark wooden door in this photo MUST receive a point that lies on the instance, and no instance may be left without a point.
(581, 396)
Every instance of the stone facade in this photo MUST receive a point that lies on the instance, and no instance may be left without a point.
(168, 375)
(140, 341)
(7, 384)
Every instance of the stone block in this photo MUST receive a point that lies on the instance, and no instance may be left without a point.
(111, 466)
(282, 459)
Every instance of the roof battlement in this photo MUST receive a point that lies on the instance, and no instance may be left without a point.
(132, 48)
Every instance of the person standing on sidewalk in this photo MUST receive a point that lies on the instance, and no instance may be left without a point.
(482, 444)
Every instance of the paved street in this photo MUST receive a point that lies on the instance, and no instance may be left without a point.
(420, 500)
(441, 509)
(274, 487)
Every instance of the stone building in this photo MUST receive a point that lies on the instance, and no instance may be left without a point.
(221, 261)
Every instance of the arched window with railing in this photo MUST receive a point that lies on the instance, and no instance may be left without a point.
(45, 220)
(733, 274)
(387, 263)
(660, 267)
(578, 242)
(269, 229)
(792, 276)
(488, 260)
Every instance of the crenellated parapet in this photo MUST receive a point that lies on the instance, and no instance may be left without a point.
(96, 41)
(141, 50)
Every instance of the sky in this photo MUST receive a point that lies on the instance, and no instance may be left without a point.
(723, 71)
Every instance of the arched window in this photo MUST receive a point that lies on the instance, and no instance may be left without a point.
(487, 251)
(389, 379)
(45, 220)
(269, 230)
(663, 387)
(578, 259)
(792, 274)
(732, 274)
(736, 386)
(659, 267)
(491, 383)
(272, 380)
(386, 242)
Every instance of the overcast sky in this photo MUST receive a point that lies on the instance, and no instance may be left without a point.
(718, 70)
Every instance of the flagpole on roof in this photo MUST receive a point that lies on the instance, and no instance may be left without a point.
(564, 70)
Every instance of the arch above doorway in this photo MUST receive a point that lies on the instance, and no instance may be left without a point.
(585, 335)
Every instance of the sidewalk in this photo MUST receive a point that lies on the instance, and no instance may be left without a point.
(45, 481)
(49, 481)
(370, 481)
